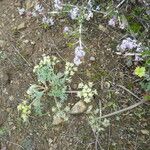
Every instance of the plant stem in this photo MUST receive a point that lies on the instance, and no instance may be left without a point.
(123, 110)
(71, 92)
(80, 33)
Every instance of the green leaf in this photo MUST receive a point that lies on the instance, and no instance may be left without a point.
(146, 53)
(140, 71)
(147, 97)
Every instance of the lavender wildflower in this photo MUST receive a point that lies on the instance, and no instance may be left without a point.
(89, 15)
(66, 30)
(58, 4)
(122, 25)
(39, 8)
(77, 61)
(138, 58)
(48, 21)
(74, 12)
(79, 54)
(112, 22)
(127, 43)
(21, 11)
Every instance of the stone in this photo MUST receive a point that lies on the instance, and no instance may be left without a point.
(2, 43)
(78, 108)
(92, 58)
(21, 26)
(57, 120)
(102, 28)
(146, 132)
(29, 4)
(26, 41)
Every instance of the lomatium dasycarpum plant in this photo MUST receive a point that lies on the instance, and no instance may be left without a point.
(55, 84)
(50, 82)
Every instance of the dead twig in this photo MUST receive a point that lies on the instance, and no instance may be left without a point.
(123, 110)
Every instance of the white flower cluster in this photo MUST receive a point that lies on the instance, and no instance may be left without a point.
(97, 124)
(129, 44)
(47, 60)
(58, 5)
(87, 93)
(70, 69)
(48, 21)
(61, 112)
(79, 55)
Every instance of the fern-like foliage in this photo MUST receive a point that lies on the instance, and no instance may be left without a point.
(50, 83)
(36, 95)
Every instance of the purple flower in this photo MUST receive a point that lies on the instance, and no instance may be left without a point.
(48, 21)
(128, 43)
(66, 29)
(74, 12)
(112, 22)
(79, 54)
(58, 4)
(77, 61)
(79, 51)
(21, 11)
(39, 8)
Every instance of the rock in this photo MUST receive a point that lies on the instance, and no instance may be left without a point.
(78, 108)
(29, 4)
(92, 58)
(75, 86)
(2, 43)
(57, 120)
(146, 132)
(26, 41)
(21, 26)
(102, 28)
(32, 43)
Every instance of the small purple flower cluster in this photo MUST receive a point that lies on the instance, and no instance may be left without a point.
(131, 44)
(79, 55)
(114, 21)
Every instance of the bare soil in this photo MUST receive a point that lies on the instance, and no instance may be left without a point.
(25, 47)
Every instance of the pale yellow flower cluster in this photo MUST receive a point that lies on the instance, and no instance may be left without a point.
(70, 69)
(47, 60)
(86, 92)
(25, 110)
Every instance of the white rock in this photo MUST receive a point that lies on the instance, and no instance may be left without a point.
(92, 58)
(78, 108)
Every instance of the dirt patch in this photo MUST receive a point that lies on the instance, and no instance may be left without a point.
(24, 48)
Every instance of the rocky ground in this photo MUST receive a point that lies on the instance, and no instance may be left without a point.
(22, 43)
